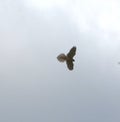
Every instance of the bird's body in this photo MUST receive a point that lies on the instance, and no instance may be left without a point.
(68, 58)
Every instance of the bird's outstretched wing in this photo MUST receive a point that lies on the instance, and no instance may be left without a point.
(72, 52)
(70, 64)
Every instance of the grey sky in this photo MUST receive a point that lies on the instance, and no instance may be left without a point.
(34, 86)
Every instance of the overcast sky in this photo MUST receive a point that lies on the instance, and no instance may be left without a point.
(34, 86)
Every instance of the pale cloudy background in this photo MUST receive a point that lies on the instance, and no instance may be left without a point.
(34, 86)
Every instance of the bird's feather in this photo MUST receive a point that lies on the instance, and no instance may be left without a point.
(72, 52)
(69, 64)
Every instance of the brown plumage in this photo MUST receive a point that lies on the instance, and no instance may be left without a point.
(68, 58)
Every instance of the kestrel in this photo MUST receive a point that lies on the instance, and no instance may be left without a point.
(68, 58)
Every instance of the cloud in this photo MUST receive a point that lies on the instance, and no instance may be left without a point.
(33, 83)
(45, 4)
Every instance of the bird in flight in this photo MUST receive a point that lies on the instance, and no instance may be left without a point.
(68, 58)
